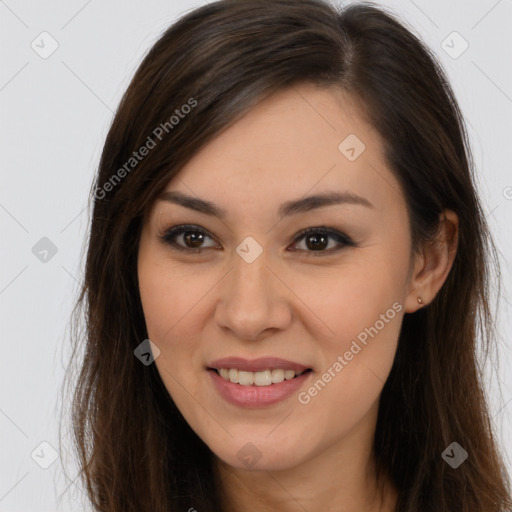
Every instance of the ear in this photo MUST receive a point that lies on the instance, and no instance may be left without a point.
(433, 264)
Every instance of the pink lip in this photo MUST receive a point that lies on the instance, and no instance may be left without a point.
(256, 396)
(257, 365)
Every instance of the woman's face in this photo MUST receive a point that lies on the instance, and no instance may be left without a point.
(261, 300)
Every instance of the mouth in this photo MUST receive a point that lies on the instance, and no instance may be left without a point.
(261, 372)
(268, 377)
(257, 383)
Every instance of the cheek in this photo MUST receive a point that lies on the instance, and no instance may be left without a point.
(356, 362)
(344, 301)
(176, 307)
(169, 297)
(171, 304)
(361, 314)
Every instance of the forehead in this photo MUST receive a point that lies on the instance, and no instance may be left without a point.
(300, 140)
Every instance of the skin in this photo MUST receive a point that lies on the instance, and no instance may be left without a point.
(290, 304)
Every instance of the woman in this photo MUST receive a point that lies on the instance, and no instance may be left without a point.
(287, 267)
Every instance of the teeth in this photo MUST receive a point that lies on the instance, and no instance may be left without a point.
(264, 378)
(245, 378)
(289, 374)
(277, 376)
(232, 375)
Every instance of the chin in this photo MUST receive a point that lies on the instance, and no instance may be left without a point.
(260, 454)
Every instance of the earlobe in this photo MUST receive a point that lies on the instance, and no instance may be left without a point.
(435, 263)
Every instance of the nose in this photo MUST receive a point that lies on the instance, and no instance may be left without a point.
(253, 302)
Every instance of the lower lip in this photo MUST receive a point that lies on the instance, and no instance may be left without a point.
(256, 396)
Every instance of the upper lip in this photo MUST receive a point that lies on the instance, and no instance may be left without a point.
(257, 365)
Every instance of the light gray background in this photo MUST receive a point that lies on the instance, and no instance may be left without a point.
(55, 113)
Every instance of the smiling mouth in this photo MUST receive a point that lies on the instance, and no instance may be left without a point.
(263, 378)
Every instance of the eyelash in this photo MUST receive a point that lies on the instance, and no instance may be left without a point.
(168, 238)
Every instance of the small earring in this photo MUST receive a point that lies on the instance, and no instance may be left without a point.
(420, 300)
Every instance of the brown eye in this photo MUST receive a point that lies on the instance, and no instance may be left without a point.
(193, 238)
(186, 238)
(317, 240)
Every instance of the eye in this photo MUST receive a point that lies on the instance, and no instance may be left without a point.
(191, 238)
(316, 240)
(191, 235)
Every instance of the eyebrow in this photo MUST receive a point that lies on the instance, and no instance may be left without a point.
(293, 207)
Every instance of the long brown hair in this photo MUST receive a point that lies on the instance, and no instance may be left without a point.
(135, 450)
